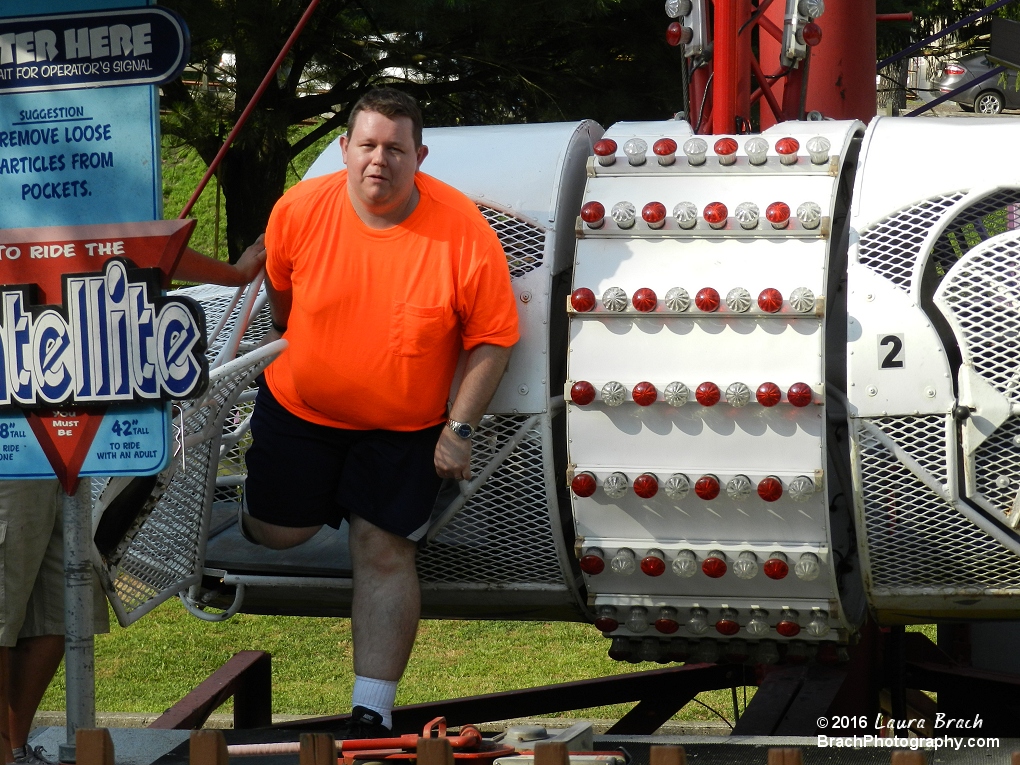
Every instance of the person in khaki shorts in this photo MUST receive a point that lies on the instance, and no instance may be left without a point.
(32, 563)
(32, 605)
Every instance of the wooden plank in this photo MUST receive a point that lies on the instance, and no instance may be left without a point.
(318, 749)
(253, 694)
(207, 747)
(93, 746)
(902, 757)
(433, 751)
(551, 753)
(669, 755)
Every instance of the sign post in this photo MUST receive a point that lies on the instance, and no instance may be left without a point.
(91, 351)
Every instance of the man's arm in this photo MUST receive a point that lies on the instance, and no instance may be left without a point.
(196, 267)
(485, 367)
(279, 311)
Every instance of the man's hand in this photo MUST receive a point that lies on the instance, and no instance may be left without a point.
(453, 456)
(252, 260)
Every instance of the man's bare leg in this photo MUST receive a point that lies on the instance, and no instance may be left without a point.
(31, 666)
(387, 601)
(277, 537)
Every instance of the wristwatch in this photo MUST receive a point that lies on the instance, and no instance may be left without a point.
(462, 429)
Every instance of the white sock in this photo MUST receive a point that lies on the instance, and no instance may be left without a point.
(377, 695)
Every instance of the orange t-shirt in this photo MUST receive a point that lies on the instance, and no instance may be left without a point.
(379, 317)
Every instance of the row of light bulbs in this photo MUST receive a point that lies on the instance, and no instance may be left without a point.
(687, 215)
(725, 149)
(667, 649)
(714, 565)
(677, 394)
(678, 300)
(678, 486)
(667, 620)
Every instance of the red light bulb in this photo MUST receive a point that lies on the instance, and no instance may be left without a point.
(708, 394)
(707, 487)
(716, 213)
(713, 568)
(727, 627)
(583, 484)
(654, 214)
(644, 394)
(776, 568)
(645, 300)
(800, 394)
(593, 565)
(674, 33)
(664, 147)
(788, 629)
(812, 34)
(582, 393)
(770, 300)
(770, 489)
(605, 147)
(778, 214)
(787, 146)
(768, 394)
(653, 565)
(666, 626)
(646, 485)
(582, 300)
(594, 214)
(606, 624)
(725, 146)
(707, 300)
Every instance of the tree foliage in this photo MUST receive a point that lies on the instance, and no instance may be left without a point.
(467, 61)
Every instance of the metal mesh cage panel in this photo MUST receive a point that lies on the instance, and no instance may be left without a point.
(917, 541)
(523, 243)
(983, 294)
(236, 440)
(504, 534)
(977, 222)
(923, 438)
(997, 468)
(167, 549)
(891, 247)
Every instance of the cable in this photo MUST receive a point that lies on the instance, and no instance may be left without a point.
(249, 108)
(704, 98)
(716, 712)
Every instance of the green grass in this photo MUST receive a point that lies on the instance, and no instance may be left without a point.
(152, 664)
(182, 171)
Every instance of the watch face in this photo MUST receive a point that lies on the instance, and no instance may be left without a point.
(463, 430)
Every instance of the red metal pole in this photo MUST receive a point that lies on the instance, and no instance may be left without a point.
(908, 16)
(724, 85)
(249, 108)
(842, 81)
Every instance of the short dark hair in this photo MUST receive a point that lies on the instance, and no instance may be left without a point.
(389, 102)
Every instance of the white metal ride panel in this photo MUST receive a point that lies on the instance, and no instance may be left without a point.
(897, 365)
(904, 160)
(739, 444)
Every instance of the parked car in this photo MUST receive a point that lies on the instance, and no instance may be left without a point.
(988, 97)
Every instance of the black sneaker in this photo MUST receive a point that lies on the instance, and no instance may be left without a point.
(363, 723)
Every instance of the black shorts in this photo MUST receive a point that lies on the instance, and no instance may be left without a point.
(304, 474)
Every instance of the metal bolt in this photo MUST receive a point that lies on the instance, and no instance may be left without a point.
(1016, 440)
(869, 297)
(1002, 482)
(929, 392)
(523, 390)
(525, 297)
(872, 390)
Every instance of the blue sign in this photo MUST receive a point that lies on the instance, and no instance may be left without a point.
(87, 50)
(74, 157)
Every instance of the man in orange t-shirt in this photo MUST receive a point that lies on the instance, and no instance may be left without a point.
(378, 277)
